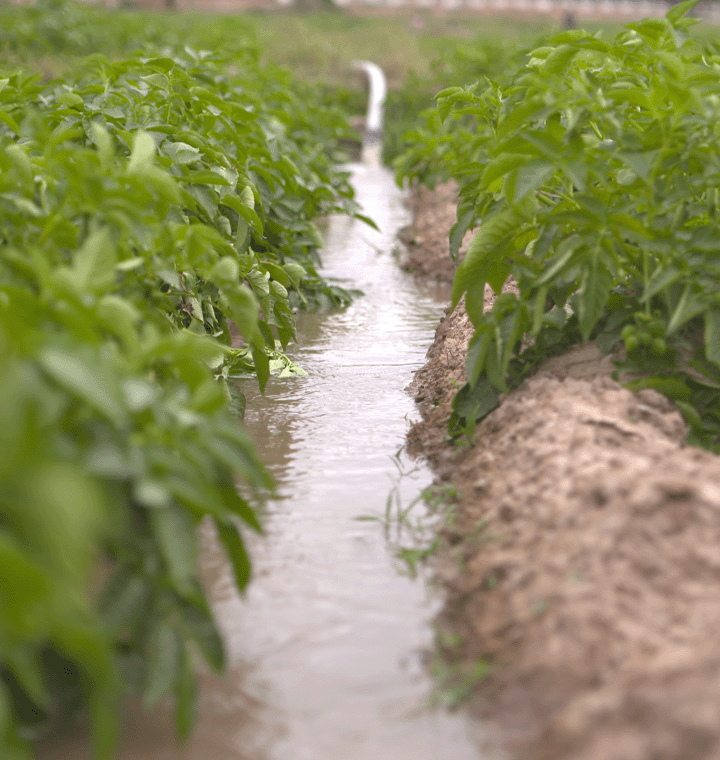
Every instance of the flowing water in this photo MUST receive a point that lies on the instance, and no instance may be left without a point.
(325, 648)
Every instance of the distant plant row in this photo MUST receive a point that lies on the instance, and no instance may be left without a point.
(145, 203)
(591, 171)
(70, 28)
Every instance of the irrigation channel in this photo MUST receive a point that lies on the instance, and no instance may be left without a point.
(326, 646)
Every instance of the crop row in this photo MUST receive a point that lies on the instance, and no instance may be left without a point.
(591, 170)
(145, 204)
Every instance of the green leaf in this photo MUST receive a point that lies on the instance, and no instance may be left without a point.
(593, 294)
(277, 273)
(206, 178)
(185, 696)
(242, 307)
(678, 11)
(472, 404)
(558, 60)
(477, 351)
(123, 600)
(712, 336)
(673, 63)
(515, 324)
(247, 196)
(151, 493)
(5, 118)
(129, 264)
(672, 387)
(366, 220)
(563, 260)
(295, 273)
(526, 179)
(157, 80)
(22, 162)
(180, 152)
(102, 139)
(177, 540)
(22, 660)
(458, 230)
(487, 258)
(623, 92)
(261, 361)
(202, 628)
(240, 507)
(94, 264)
(163, 184)
(692, 417)
(247, 213)
(447, 98)
(654, 30)
(660, 280)
(688, 306)
(163, 663)
(236, 552)
(24, 205)
(142, 154)
(71, 99)
(500, 166)
(226, 270)
(164, 64)
(120, 317)
(198, 496)
(90, 383)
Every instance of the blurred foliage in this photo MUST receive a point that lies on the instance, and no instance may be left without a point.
(590, 172)
(145, 201)
(410, 111)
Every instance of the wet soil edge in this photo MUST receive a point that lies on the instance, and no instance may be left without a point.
(579, 554)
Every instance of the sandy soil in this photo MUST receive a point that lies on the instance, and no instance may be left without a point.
(426, 239)
(581, 555)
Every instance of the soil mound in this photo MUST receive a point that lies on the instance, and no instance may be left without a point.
(426, 239)
(580, 561)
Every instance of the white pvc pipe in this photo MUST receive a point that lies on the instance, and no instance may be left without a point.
(372, 139)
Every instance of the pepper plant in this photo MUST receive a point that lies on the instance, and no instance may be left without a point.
(144, 204)
(594, 182)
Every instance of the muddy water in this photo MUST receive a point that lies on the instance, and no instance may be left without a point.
(325, 648)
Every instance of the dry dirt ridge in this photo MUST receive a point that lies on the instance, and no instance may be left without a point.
(581, 559)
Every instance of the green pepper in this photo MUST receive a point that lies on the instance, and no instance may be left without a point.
(627, 331)
(658, 347)
(644, 337)
(632, 344)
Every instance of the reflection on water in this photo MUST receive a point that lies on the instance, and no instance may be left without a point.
(325, 647)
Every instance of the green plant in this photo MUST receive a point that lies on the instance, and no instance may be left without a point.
(414, 538)
(421, 145)
(594, 184)
(455, 681)
(144, 203)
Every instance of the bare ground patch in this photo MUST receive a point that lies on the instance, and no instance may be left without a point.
(580, 561)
